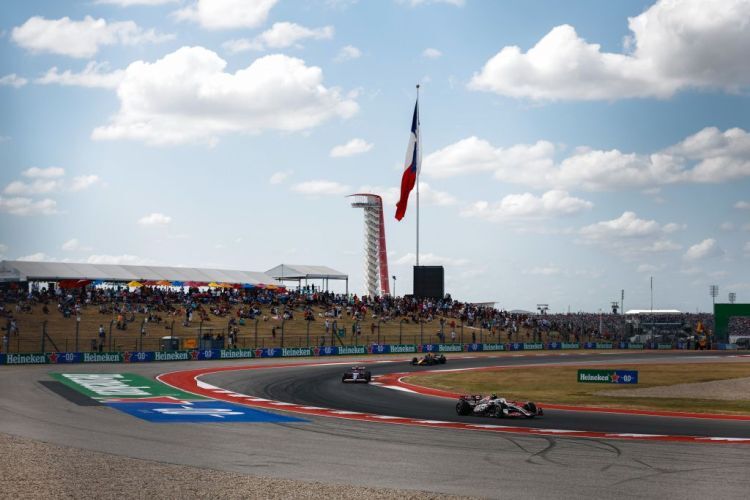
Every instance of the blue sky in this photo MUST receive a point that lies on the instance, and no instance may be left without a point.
(571, 149)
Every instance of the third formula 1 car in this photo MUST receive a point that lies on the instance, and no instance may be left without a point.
(493, 406)
(429, 359)
(357, 374)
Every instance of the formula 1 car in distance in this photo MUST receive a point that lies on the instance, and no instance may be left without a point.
(493, 406)
(429, 359)
(357, 374)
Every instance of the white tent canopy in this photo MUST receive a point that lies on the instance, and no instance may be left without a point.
(300, 273)
(16, 270)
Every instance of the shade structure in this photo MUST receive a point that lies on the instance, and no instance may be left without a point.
(225, 285)
(73, 283)
(248, 286)
(150, 283)
(135, 284)
(164, 283)
(196, 283)
(213, 284)
(178, 283)
(17, 271)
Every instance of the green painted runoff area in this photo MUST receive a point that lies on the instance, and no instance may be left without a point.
(119, 385)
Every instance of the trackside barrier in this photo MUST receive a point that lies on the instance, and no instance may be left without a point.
(631, 345)
(563, 345)
(598, 345)
(727, 347)
(286, 352)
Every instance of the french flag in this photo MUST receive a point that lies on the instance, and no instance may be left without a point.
(413, 160)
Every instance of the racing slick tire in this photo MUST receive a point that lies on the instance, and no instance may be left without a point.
(498, 411)
(414, 361)
(441, 360)
(368, 377)
(531, 408)
(463, 408)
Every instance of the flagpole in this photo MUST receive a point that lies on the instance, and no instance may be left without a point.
(419, 145)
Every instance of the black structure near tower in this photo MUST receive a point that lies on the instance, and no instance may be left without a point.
(429, 282)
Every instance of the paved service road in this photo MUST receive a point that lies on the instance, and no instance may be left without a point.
(361, 453)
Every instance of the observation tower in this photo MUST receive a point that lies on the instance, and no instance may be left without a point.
(376, 256)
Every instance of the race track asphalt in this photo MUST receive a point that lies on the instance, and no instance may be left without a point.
(322, 386)
(369, 454)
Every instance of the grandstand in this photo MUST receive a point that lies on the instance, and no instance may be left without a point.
(60, 307)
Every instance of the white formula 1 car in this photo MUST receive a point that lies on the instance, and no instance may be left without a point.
(357, 374)
(493, 406)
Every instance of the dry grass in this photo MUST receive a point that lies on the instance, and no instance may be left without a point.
(560, 385)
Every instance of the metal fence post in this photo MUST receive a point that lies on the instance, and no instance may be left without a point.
(256, 332)
(44, 334)
(110, 334)
(78, 326)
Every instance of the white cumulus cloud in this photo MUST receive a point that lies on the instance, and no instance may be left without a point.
(188, 96)
(38, 186)
(79, 38)
(431, 53)
(82, 182)
(708, 156)
(13, 80)
(674, 45)
(528, 206)
(37, 257)
(347, 53)
(45, 181)
(73, 245)
(94, 75)
(351, 148)
(226, 14)
(630, 236)
(45, 173)
(742, 205)
(279, 36)
(155, 219)
(705, 249)
(27, 206)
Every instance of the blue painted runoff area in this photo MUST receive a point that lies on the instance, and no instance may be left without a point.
(204, 412)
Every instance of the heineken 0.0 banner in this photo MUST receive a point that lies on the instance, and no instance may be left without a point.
(607, 376)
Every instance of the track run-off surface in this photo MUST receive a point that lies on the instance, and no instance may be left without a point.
(348, 451)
